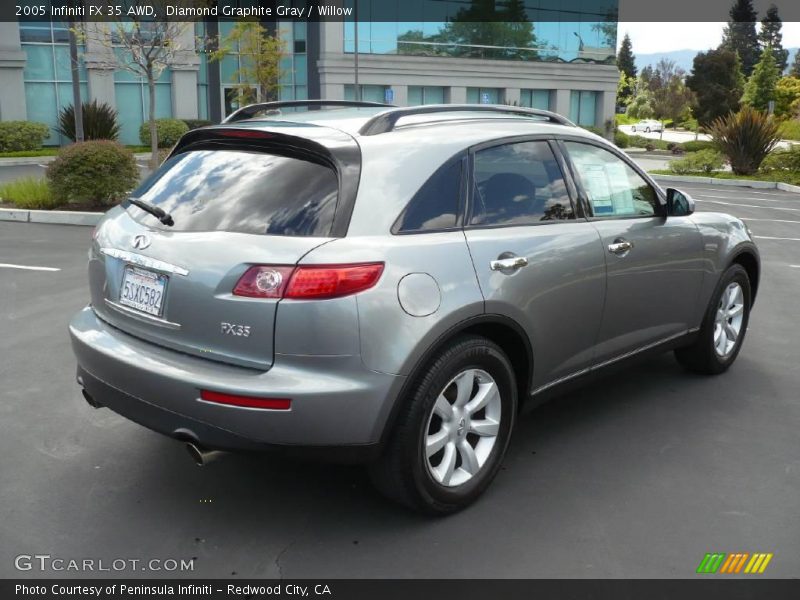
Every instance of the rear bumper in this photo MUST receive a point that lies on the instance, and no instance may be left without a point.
(336, 401)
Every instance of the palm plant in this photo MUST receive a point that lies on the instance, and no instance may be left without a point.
(99, 121)
(745, 137)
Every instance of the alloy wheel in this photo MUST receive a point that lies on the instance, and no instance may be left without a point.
(463, 427)
(728, 320)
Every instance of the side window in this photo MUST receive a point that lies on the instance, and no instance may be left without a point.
(435, 206)
(519, 184)
(613, 188)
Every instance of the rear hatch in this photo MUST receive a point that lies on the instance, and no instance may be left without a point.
(238, 197)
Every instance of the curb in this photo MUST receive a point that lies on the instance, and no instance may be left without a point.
(60, 217)
(768, 185)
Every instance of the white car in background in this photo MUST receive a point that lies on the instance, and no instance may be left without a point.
(647, 125)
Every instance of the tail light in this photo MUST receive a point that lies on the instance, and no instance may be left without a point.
(312, 282)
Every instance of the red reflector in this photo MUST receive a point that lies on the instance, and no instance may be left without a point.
(246, 401)
(332, 281)
(243, 133)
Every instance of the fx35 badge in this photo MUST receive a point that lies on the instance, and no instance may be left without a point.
(234, 329)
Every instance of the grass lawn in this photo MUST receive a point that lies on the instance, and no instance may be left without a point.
(791, 177)
(53, 150)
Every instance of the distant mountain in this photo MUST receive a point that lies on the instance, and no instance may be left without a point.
(683, 58)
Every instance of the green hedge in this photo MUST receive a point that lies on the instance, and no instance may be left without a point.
(100, 171)
(169, 131)
(703, 161)
(695, 145)
(16, 136)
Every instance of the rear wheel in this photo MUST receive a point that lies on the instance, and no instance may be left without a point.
(647, 130)
(452, 431)
(724, 326)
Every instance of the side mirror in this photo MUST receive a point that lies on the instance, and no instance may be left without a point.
(679, 204)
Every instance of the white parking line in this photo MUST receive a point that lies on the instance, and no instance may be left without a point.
(741, 198)
(795, 266)
(749, 191)
(769, 220)
(27, 268)
(767, 237)
(748, 205)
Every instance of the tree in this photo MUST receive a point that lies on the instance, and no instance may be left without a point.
(641, 105)
(771, 37)
(718, 84)
(760, 88)
(626, 61)
(144, 48)
(671, 98)
(740, 34)
(260, 57)
(795, 70)
(787, 97)
(627, 66)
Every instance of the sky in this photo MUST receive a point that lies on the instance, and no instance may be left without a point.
(648, 38)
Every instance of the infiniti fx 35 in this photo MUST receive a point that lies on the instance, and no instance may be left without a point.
(391, 285)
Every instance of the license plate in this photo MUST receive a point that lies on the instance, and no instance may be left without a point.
(143, 290)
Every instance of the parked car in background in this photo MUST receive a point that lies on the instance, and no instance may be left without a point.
(391, 285)
(647, 125)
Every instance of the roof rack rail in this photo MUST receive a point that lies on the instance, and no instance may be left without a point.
(249, 111)
(385, 121)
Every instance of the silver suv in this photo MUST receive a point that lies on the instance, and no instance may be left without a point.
(391, 285)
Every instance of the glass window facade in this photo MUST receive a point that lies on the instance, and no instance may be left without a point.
(583, 107)
(426, 94)
(48, 74)
(484, 95)
(369, 93)
(535, 99)
(577, 31)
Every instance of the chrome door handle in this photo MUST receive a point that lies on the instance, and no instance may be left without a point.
(506, 264)
(620, 247)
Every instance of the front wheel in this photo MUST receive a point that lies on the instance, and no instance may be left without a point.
(633, 129)
(724, 326)
(452, 431)
(647, 130)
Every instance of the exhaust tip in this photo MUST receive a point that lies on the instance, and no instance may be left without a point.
(89, 400)
(196, 453)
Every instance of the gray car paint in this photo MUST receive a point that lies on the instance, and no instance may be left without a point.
(344, 362)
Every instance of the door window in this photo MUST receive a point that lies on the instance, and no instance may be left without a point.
(613, 188)
(519, 184)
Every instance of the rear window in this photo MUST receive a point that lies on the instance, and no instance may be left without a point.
(241, 191)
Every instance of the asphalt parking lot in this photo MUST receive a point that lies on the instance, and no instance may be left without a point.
(638, 476)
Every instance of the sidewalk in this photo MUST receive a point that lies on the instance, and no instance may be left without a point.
(21, 161)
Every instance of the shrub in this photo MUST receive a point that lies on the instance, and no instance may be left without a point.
(16, 136)
(196, 123)
(29, 193)
(790, 130)
(695, 145)
(169, 131)
(100, 172)
(745, 137)
(702, 161)
(620, 139)
(99, 121)
(593, 129)
(782, 160)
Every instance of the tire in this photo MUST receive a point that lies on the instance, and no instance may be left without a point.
(406, 473)
(647, 130)
(633, 129)
(709, 354)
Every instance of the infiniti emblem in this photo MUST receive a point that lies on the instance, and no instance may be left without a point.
(140, 241)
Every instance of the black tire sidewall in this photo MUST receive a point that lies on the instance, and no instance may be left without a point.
(735, 273)
(474, 355)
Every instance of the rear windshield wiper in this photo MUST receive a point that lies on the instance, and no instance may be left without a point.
(157, 212)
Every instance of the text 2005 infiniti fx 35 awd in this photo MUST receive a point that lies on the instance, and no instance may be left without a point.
(392, 284)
